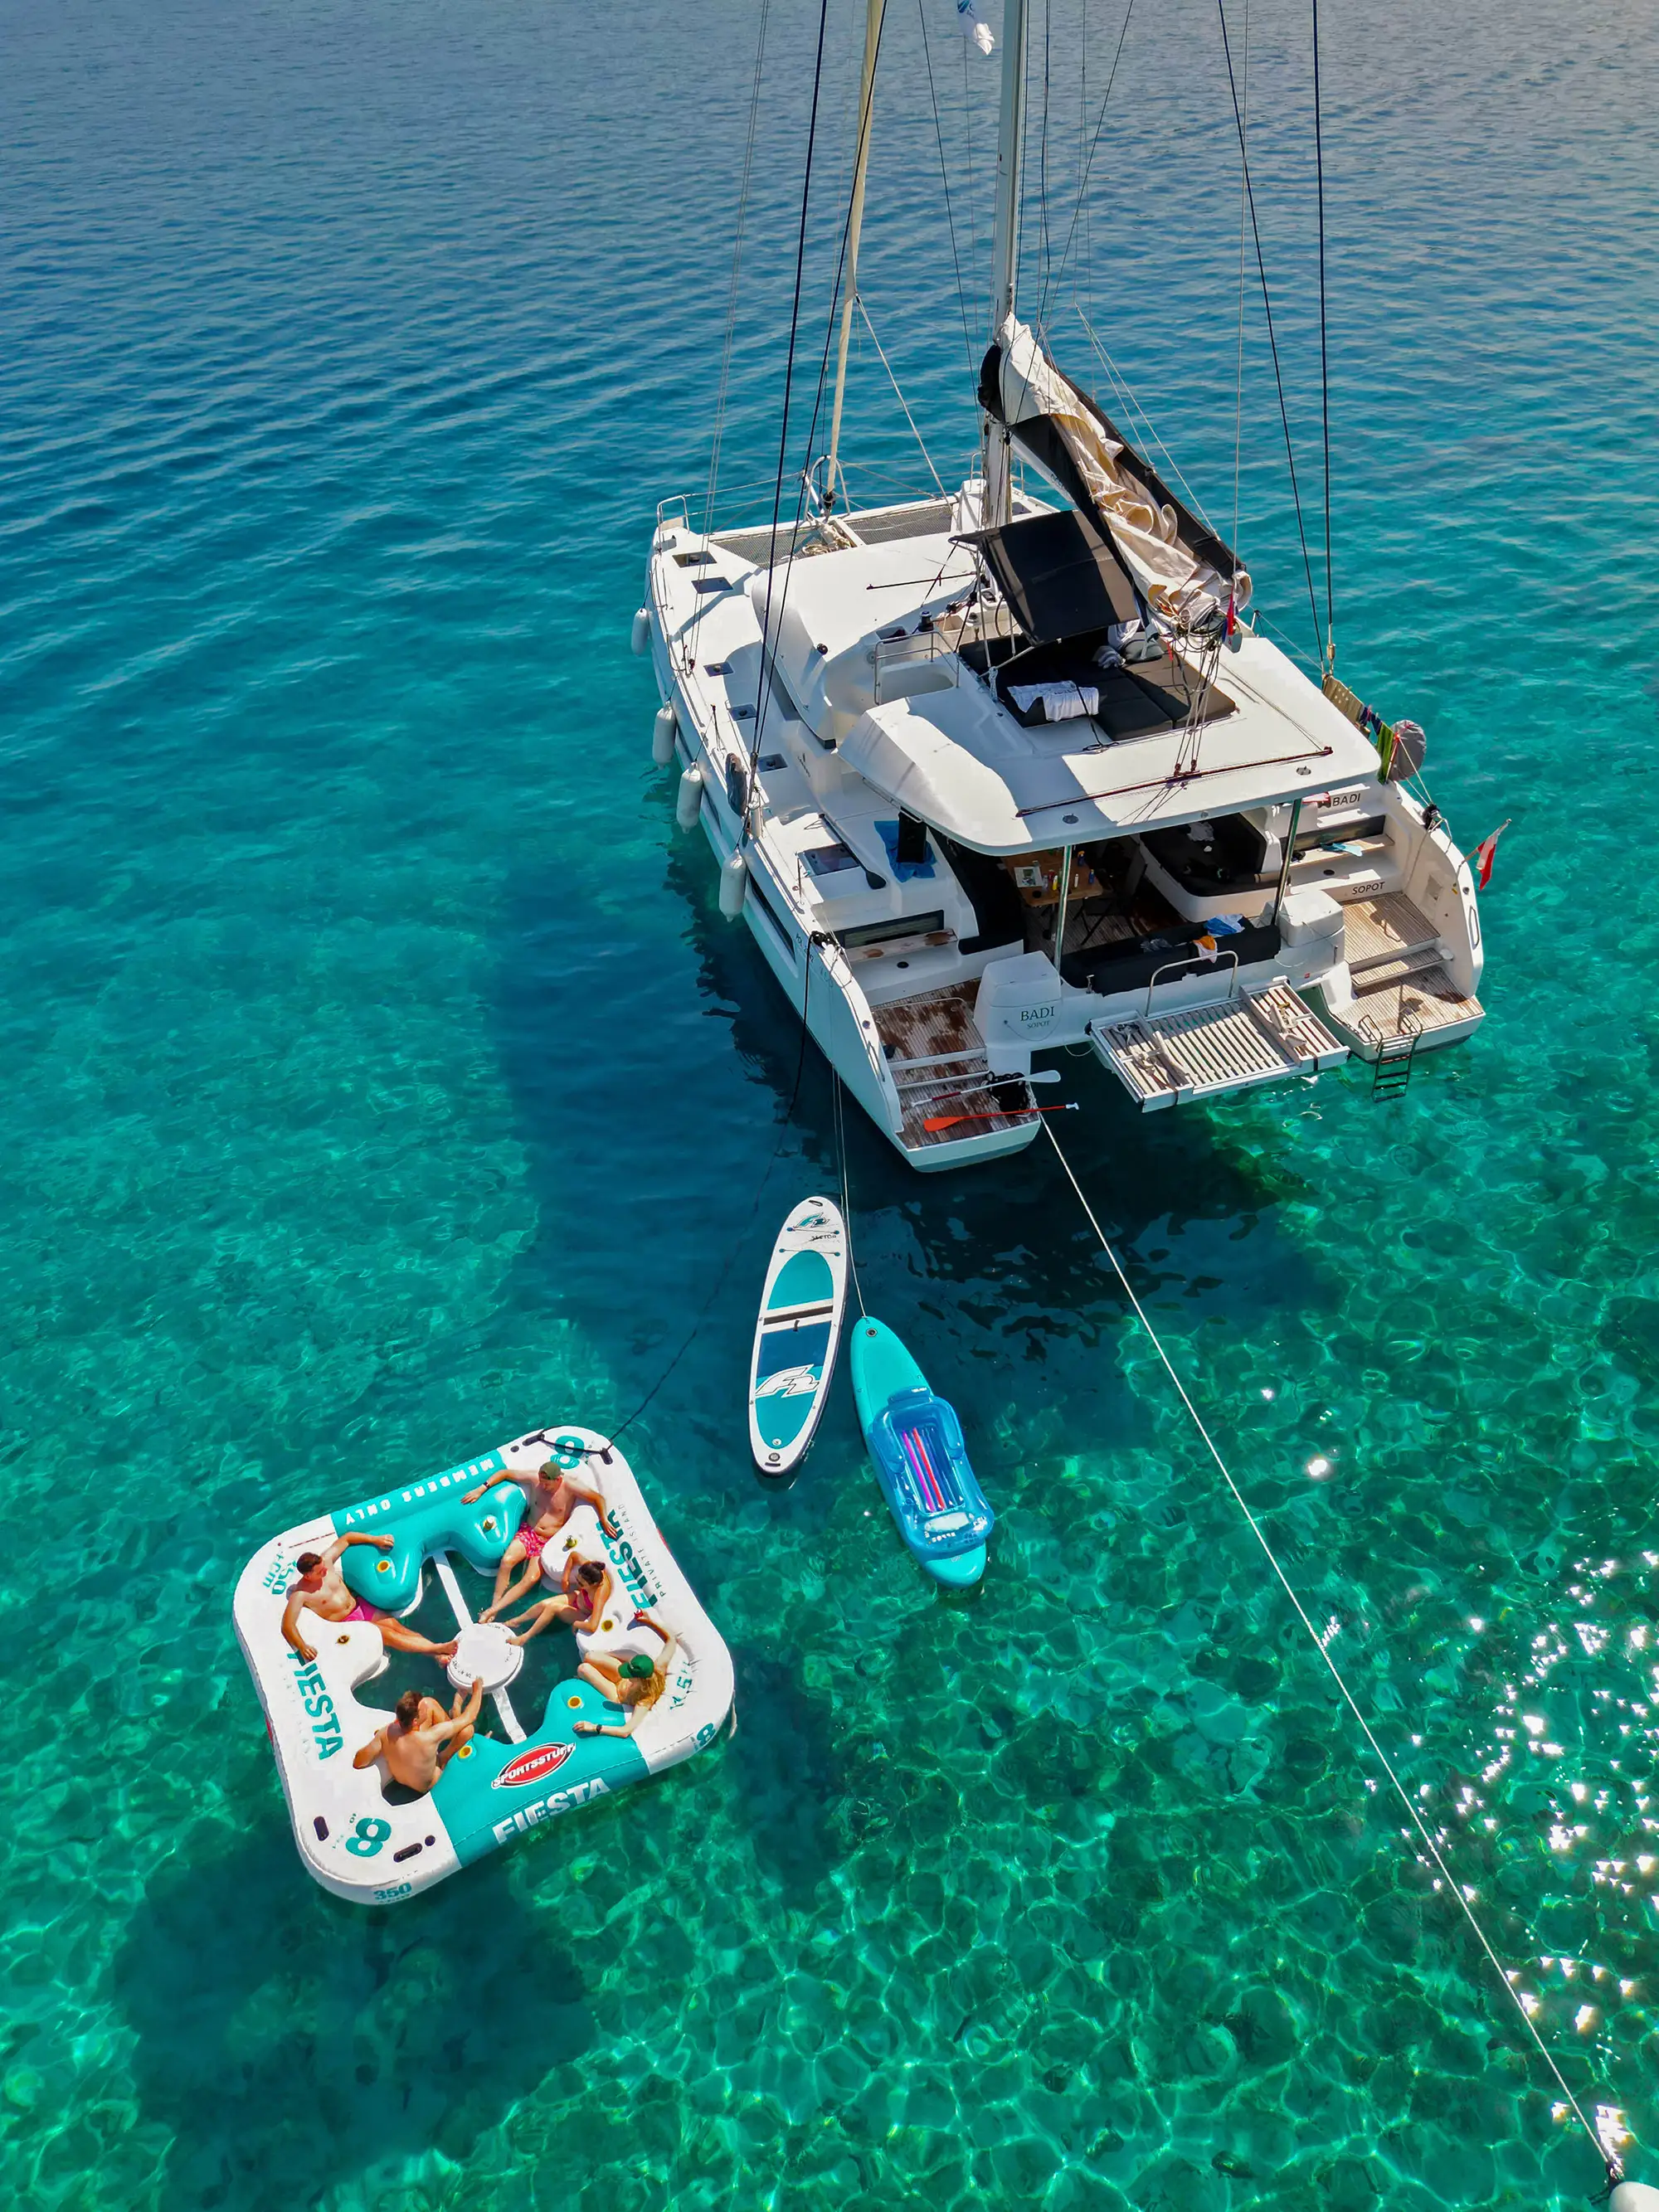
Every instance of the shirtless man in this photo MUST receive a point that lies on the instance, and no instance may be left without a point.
(580, 1601)
(323, 1588)
(634, 1684)
(422, 1738)
(550, 1503)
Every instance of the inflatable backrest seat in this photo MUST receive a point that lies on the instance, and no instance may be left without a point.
(427, 1517)
(919, 1439)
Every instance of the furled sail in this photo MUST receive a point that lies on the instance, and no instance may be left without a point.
(1182, 568)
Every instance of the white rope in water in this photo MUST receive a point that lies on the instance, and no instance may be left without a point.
(1317, 1641)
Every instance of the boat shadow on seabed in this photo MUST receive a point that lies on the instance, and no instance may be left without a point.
(1157, 1174)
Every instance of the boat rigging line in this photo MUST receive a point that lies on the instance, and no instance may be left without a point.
(1324, 358)
(1083, 181)
(944, 180)
(1267, 309)
(857, 298)
(767, 634)
(1614, 2168)
(788, 382)
(737, 266)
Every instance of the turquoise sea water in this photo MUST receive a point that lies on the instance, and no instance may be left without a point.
(381, 1080)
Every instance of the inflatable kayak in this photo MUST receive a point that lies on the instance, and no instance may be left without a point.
(797, 1336)
(655, 1685)
(916, 1442)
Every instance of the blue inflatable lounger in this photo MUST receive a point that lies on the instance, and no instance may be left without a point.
(916, 1442)
(359, 1834)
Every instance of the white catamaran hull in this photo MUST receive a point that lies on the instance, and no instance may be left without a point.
(923, 1019)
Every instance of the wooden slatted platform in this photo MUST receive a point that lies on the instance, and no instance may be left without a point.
(1429, 996)
(937, 1058)
(1205, 1052)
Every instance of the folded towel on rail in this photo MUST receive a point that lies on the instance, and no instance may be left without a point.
(1061, 702)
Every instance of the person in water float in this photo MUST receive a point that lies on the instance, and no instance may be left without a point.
(580, 1601)
(322, 1587)
(634, 1683)
(422, 1738)
(550, 1504)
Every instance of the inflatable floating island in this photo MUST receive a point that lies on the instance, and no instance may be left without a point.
(387, 1802)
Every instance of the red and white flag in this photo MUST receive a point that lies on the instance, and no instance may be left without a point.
(1484, 854)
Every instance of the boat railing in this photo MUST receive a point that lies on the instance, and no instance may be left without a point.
(1195, 960)
(676, 510)
(896, 654)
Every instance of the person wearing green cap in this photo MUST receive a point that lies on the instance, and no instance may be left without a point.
(634, 1683)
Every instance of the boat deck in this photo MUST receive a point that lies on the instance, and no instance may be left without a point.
(1393, 957)
(937, 1058)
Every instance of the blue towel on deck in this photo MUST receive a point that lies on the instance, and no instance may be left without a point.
(902, 870)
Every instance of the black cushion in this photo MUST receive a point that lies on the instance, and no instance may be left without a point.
(1132, 963)
(1231, 858)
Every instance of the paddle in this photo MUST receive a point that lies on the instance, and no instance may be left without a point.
(938, 1122)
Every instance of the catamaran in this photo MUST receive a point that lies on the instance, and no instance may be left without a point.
(1014, 769)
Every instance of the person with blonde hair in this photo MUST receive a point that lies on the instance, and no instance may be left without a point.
(634, 1683)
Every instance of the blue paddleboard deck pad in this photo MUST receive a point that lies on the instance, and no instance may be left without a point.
(921, 1458)
(797, 1334)
(530, 1768)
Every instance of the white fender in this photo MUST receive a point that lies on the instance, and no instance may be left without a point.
(639, 636)
(662, 736)
(688, 801)
(734, 878)
(1634, 2197)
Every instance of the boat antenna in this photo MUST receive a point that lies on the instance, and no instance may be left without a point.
(1005, 255)
(872, 23)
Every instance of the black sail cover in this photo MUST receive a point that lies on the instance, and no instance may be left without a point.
(1181, 567)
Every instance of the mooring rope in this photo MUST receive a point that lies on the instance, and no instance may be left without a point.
(1614, 2170)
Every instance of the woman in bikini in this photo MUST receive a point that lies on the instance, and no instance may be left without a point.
(550, 1504)
(634, 1683)
(581, 1600)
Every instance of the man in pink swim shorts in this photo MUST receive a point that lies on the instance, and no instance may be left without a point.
(552, 1499)
(321, 1588)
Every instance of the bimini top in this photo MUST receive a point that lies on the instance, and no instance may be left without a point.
(959, 760)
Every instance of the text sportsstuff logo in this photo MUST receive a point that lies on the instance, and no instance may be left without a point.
(532, 1765)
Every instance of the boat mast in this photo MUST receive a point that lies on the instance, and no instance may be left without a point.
(1004, 257)
(876, 11)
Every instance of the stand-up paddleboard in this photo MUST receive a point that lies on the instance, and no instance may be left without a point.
(915, 1441)
(361, 1834)
(797, 1336)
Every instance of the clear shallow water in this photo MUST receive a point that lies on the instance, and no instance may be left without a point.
(382, 1080)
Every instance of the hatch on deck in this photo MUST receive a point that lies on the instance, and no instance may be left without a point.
(1203, 1052)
